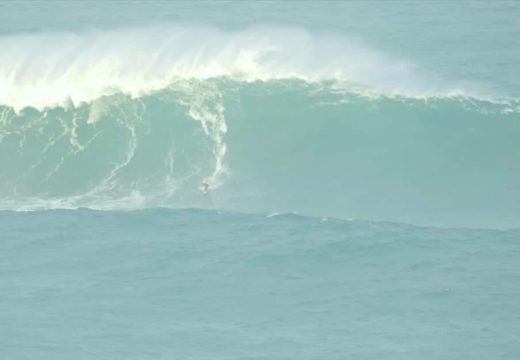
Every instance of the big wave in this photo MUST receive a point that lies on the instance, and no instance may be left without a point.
(273, 119)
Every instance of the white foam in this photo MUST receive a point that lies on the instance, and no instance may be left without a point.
(49, 69)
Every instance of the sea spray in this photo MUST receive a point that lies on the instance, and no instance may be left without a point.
(49, 69)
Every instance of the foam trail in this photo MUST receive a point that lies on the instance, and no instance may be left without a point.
(49, 69)
(206, 106)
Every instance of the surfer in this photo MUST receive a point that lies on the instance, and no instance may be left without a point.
(205, 186)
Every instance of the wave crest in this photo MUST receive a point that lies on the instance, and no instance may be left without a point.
(43, 70)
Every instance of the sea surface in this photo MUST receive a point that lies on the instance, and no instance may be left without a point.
(259, 180)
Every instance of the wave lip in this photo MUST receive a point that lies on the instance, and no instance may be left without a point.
(44, 70)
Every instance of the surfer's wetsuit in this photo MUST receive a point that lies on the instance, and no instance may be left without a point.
(205, 186)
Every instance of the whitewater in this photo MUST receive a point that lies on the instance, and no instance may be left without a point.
(242, 179)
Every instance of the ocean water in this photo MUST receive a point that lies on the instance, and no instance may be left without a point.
(259, 179)
(199, 284)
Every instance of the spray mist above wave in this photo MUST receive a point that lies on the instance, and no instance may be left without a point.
(44, 70)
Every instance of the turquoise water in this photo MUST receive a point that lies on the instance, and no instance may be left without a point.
(194, 284)
(320, 129)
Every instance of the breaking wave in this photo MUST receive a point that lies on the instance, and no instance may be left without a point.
(270, 118)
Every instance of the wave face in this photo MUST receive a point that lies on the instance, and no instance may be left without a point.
(271, 118)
